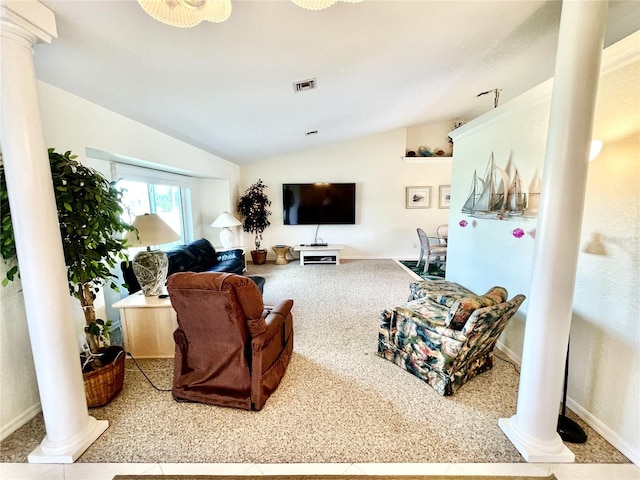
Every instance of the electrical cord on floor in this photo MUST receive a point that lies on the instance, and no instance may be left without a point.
(515, 367)
(145, 375)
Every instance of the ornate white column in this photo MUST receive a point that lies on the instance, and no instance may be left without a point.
(69, 428)
(533, 429)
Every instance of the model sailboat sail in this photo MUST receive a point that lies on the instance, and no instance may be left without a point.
(492, 198)
(516, 196)
(469, 205)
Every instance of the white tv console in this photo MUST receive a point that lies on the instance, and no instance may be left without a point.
(319, 254)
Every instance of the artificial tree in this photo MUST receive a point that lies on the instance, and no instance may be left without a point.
(252, 205)
(90, 217)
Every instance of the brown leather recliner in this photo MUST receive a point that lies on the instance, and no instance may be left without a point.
(230, 350)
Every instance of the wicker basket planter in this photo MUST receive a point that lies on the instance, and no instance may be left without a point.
(103, 384)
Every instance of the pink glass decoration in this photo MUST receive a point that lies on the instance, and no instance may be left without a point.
(474, 224)
(463, 223)
(518, 232)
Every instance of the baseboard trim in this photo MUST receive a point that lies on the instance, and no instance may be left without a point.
(20, 420)
(509, 353)
(628, 450)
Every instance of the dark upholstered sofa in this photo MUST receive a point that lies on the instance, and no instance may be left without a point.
(197, 256)
(201, 256)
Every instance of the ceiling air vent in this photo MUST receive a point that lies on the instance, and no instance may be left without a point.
(304, 85)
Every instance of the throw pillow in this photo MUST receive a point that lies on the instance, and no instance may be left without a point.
(460, 312)
(498, 294)
(462, 309)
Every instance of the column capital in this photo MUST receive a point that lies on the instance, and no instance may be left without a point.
(37, 20)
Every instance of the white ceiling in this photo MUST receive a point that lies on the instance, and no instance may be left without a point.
(228, 87)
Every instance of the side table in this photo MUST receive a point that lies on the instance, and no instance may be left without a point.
(281, 254)
(148, 324)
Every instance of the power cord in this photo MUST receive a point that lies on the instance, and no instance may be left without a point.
(145, 375)
(515, 367)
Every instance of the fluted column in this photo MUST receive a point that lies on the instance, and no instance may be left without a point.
(69, 428)
(533, 428)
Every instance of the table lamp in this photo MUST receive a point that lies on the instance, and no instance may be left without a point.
(224, 221)
(150, 266)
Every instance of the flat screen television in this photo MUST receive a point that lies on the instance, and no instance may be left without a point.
(319, 203)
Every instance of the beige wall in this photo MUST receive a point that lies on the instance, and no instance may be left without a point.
(384, 227)
(19, 397)
(604, 381)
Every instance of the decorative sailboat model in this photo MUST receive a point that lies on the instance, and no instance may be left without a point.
(490, 198)
(516, 197)
(473, 195)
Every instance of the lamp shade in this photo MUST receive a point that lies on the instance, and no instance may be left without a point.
(225, 219)
(151, 230)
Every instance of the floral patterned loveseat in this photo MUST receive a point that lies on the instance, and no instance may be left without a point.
(445, 334)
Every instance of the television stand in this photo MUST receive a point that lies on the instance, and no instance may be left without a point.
(319, 253)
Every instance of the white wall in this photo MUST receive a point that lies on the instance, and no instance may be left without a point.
(211, 198)
(604, 380)
(19, 397)
(434, 136)
(71, 123)
(384, 227)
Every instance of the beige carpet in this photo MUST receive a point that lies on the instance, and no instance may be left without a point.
(338, 403)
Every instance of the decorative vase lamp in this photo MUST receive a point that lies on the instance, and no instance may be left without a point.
(150, 266)
(225, 221)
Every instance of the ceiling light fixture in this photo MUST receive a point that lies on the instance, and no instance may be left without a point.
(320, 4)
(189, 13)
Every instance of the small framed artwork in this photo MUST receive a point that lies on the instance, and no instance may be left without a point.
(418, 197)
(445, 196)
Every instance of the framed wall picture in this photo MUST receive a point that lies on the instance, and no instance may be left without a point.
(445, 196)
(418, 197)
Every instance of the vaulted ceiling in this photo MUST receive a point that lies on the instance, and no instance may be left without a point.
(379, 65)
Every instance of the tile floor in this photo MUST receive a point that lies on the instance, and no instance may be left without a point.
(106, 471)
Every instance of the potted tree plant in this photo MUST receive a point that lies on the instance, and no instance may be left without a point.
(89, 213)
(252, 205)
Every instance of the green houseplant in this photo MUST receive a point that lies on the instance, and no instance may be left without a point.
(252, 205)
(89, 213)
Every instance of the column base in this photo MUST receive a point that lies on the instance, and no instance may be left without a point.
(533, 450)
(70, 451)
